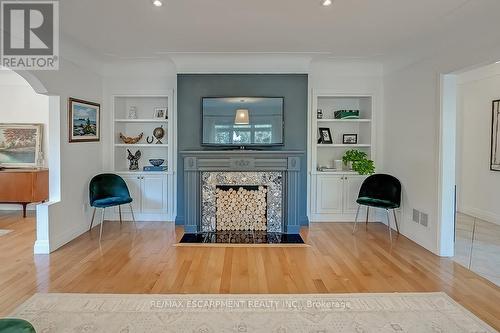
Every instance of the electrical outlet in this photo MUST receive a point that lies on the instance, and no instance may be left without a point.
(424, 219)
(416, 216)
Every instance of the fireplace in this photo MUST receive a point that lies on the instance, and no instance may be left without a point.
(241, 208)
(241, 201)
(277, 172)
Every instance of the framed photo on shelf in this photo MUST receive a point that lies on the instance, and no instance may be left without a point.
(160, 113)
(325, 136)
(495, 137)
(84, 121)
(350, 139)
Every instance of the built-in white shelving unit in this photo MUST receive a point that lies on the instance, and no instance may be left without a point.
(333, 192)
(152, 191)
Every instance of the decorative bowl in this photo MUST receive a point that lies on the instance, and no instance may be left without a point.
(156, 162)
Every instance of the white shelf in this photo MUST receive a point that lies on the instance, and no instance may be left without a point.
(141, 120)
(141, 145)
(325, 145)
(335, 172)
(142, 172)
(344, 120)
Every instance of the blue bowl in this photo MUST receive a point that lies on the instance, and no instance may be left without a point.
(156, 162)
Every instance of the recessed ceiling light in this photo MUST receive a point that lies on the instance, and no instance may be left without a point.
(326, 2)
(157, 3)
(498, 62)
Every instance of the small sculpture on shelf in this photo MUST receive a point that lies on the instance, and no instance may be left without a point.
(132, 113)
(134, 160)
(158, 133)
(131, 140)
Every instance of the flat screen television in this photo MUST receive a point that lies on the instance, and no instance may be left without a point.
(242, 121)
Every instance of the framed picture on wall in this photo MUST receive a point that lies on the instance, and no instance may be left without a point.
(325, 136)
(84, 121)
(20, 145)
(495, 137)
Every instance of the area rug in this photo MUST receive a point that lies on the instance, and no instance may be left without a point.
(416, 312)
(4, 232)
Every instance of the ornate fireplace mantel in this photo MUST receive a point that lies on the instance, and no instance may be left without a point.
(197, 162)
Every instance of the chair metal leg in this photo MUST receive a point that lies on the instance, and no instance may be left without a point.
(133, 216)
(102, 223)
(389, 224)
(367, 215)
(395, 220)
(356, 220)
(92, 221)
(120, 212)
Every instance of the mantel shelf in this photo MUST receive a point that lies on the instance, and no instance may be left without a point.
(122, 120)
(142, 145)
(323, 145)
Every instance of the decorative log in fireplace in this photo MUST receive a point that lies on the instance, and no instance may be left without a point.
(241, 208)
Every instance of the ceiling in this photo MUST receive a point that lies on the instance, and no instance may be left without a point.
(363, 29)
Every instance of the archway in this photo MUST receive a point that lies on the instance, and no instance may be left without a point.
(26, 101)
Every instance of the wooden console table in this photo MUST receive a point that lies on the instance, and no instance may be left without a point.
(24, 186)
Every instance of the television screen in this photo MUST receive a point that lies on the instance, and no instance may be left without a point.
(242, 121)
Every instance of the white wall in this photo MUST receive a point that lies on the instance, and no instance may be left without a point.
(19, 103)
(412, 132)
(68, 213)
(477, 185)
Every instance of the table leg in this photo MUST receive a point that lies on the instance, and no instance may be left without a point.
(24, 209)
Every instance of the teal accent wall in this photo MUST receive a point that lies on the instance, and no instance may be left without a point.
(192, 87)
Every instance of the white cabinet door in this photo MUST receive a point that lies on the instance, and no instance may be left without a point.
(134, 187)
(153, 193)
(329, 195)
(352, 184)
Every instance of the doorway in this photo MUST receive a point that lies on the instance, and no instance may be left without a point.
(24, 100)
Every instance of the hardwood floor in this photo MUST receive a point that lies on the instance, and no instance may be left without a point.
(144, 261)
(477, 246)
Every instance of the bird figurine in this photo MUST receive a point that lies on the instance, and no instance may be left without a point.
(131, 140)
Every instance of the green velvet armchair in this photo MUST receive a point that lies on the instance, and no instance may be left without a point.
(380, 191)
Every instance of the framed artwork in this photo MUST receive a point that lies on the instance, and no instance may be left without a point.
(350, 139)
(84, 121)
(160, 113)
(20, 145)
(325, 136)
(495, 137)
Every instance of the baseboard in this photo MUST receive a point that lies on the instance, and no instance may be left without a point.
(14, 207)
(126, 216)
(304, 221)
(41, 247)
(481, 214)
(67, 237)
(293, 229)
(179, 220)
(190, 229)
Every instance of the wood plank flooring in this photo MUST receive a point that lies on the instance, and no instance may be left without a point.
(477, 246)
(144, 261)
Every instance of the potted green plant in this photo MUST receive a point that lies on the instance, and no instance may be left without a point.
(359, 161)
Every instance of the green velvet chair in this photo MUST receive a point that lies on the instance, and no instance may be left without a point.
(109, 190)
(11, 325)
(380, 191)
